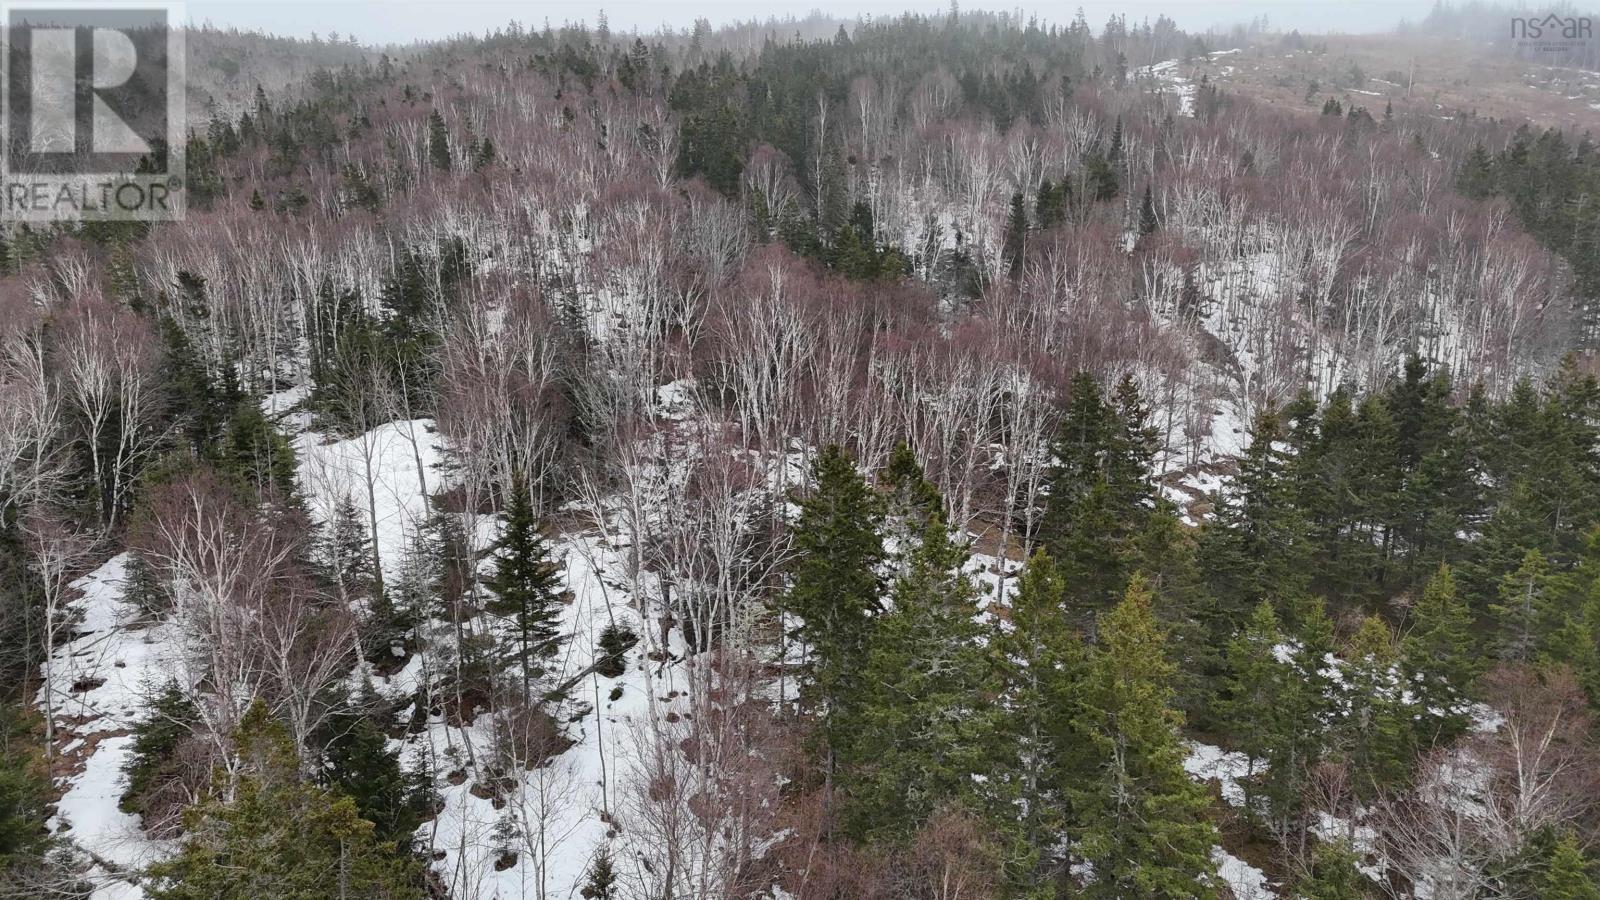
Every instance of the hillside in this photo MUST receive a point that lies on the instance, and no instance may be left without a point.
(1418, 75)
(933, 457)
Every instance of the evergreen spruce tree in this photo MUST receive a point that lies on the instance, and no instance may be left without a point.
(1576, 643)
(279, 836)
(852, 256)
(1568, 619)
(1100, 496)
(1519, 523)
(920, 722)
(1544, 449)
(1439, 659)
(1297, 740)
(1519, 414)
(1326, 481)
(207, 401)
(1419, 404)
(422, 792)
(1086, 433)
(505, 839)
(1050, 206)
(1140, 819)
(1380, 461)
(1256, 546)
(526, 584)
(417, 587)
(1567, 876)
(1015, 250)
(154, 761)
(1148, 223)
(911, 502)
(1095, 556)
(361, 766)
(257, 453)
(1335, 875)
(612, 650)
(835, 589)
(1165, 552)
(24, 792)
(1477, 178)
(263, 107)
(1100, 175)
(145, 587)
(347, 549)
(602, 881)
(1443, 495)
(1523, 612)
(1566, 591)
(1375, 736)
(1132, 452)
(1255, 685)
(1570, 460)
(413, 298)
(438, 142)
(1043, 666)
(761, 215)
(833, 193)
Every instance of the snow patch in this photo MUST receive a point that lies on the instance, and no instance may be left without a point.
(385, 468)
(1245, 881)
(98, 684)
(1206, 762)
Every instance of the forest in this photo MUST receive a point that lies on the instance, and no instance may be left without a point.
(949, 457)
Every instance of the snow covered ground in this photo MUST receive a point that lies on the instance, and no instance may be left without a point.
(101, 682)
(1210, 763)
(400, 460)
(104, 678)
(556, 815)
(118, 660)
(1167, 73)
(1207, 762)
(1246, 881)
(573, 794)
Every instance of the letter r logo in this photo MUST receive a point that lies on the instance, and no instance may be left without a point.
(57, 100)
(93, 97)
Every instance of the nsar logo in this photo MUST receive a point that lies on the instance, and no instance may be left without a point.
(1552, 32)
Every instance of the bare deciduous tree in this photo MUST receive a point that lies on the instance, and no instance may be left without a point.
(56, 553)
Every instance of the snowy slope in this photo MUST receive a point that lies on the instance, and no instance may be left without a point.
(103, 679)
(555, 815)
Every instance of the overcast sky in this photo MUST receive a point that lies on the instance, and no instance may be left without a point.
(402, 21)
